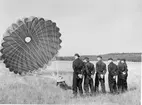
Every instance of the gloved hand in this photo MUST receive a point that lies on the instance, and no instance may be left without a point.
(102, 76)
(124, 73)
(92, 76)
(80, 75)
(114, 77)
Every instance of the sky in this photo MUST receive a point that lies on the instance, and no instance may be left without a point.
(88, 27)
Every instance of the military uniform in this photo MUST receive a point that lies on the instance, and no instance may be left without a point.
(117, 74)
(112, 69)
(78, 66)
(122, 77)
(100, 70)
(88, 81)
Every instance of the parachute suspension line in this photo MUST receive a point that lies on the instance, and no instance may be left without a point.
(45, 24)
(19, 46)
(16, 60)
(12, 52)
(44, 58)
(32, 44)
(25, 45)
(56, 65)
(38, 56)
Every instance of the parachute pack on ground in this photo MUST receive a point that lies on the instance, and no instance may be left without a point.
(30, 44)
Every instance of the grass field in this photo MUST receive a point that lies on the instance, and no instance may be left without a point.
(40, 89)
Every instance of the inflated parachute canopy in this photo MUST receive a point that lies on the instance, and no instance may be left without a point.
(30, 44)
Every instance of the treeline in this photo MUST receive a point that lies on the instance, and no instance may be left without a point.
(133, 57)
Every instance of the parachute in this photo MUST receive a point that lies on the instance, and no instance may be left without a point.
(30, 44)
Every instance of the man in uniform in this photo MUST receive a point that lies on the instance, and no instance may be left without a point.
(112, 69)
(100, 74)
(88, 72)
(122, 76)
(125, 82)
(118, 63)
(78, 66)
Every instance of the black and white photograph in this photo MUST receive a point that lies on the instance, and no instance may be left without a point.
(85, 52)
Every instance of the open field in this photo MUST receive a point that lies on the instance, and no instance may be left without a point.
(42, 90)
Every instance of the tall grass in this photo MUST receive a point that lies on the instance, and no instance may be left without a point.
(38, 90)
(15, 89)
(30, 90)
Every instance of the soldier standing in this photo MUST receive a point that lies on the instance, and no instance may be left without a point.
(122, 76)
(77, 75)
(118, 63)
(100, 74)
(112, 69)
(125, 82)
(88, 72)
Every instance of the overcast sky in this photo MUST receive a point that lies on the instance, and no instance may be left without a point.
(87, 26)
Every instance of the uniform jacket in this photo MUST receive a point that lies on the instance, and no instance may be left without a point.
(122, 68)
(78, 66)
(112, 69)
(101, 67)
(89, 69)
